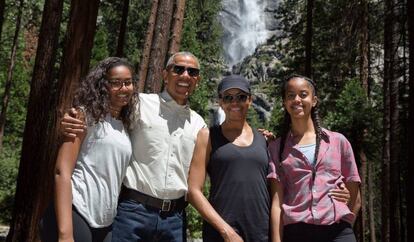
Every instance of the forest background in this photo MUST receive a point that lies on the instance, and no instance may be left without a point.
(359, 52)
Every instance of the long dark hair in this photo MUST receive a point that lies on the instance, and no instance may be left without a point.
(286, 125)
(92, 94)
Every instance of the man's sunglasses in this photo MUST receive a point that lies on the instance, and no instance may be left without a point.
(193, 72)
(238, 98)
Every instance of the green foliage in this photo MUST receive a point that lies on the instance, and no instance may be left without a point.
(201, 36)
(9, 158)
(352, 110)
(276, 117)
(355, 116)
(100, 49)
(253, 119)
(335, 45)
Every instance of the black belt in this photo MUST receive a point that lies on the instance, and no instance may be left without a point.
(166, 205)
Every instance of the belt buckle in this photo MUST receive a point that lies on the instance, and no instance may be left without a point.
(166, 205)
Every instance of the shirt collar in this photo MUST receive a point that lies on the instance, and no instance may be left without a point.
(168, 99)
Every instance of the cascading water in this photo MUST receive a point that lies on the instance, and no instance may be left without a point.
(244, 28)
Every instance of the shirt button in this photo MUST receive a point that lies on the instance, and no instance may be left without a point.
(314, 190)
(171, 155)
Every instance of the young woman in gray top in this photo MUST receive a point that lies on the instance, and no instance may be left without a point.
(90, 167)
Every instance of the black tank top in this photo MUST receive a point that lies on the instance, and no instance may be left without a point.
(239, 189)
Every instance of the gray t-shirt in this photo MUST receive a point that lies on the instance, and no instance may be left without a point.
(100, 168)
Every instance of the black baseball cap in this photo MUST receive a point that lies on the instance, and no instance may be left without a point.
(234, 81)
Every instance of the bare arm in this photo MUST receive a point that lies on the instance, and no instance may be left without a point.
(276, 212)
(196, 181)
(355, 200)
(65, 164)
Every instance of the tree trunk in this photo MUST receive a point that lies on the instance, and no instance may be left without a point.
(364, 65)
(143, 68)
(2, 7)
(34, 181)
(391, 187)
(177, 27)
(10, 69)
(77, 52)
(122, 30)
(360, 231)
(364, 75)
(371, 195)
(308, 39)
(159, 46)
(410, 172)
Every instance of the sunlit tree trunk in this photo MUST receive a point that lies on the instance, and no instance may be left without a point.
(122, 30)
(143, 68)
(177, 28)
(10, 69)
(308, 39)
(78, 49)
(34, 184)
(159, 46)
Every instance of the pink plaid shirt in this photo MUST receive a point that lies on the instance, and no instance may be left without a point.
(307, 201)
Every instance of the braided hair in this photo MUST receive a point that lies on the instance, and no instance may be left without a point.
(286, 125)
(92, 94)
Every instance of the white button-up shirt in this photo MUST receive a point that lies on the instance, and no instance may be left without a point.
(163, 140)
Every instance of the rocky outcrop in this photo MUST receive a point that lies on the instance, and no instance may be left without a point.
(264, 69)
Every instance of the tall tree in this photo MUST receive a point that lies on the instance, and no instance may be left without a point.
(122, 29)
(9, 80)
(37, 162)
(159, 46)
(410, 180)
(177, 27)
(308, 38)
(143, 68)
(391, 177)
(364, 77)
(2, 7)
(78, 49)
(38, 141)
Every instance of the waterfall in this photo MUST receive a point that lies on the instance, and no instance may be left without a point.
(244, 28)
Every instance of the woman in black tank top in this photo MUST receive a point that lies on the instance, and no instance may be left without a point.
(235, 158)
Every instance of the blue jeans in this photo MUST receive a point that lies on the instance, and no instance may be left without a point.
(137, 222)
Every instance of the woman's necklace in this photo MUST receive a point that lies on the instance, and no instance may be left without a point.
(114, 113)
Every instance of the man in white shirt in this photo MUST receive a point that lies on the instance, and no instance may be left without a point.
(152, 201)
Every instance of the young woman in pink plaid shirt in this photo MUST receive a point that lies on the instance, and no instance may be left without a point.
(307, 162)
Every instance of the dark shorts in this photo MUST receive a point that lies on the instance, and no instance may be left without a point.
(302, 232)
(82, 232)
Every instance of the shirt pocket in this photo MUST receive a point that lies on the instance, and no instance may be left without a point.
(186, 148)
(151, 140)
